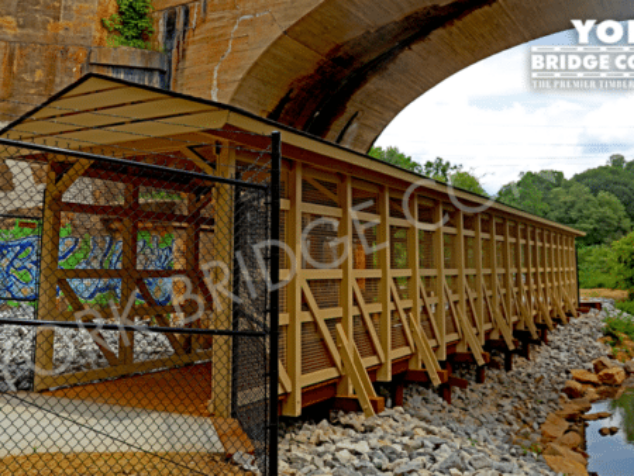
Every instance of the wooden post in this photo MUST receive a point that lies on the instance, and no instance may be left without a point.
(344, 386)
(413, 256)
(539, 295)
(223, 311)
(479, 277)
(495, 298)
(47, 303)
(530, 273)
(439, 246)
(508, 280)
(461, 278)
(128, 267)
(520, 248)
(384, 373)
(293, 404)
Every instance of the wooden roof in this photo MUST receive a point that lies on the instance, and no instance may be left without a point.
(98, 111)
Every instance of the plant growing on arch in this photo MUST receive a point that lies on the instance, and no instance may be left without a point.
(131, 25)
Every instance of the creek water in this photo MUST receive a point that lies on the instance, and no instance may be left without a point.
(612, 455)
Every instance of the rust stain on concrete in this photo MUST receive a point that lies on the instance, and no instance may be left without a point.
(8, 24)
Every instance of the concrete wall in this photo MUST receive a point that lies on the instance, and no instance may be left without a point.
(339, 69)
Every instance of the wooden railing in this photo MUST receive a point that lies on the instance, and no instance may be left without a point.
(421, 280)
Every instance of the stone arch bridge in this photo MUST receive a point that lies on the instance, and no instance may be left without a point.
(339, 69)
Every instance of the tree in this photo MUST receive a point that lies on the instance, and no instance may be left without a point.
(603, 218)
(394, 156)
(624, 262)
(531, 191)
(467, 181)
(440, 169)
(616, 178)
(617, 161)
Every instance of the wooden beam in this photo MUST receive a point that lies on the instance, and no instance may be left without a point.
(467, 330)
(173, 339)
(346, 288)
(96, 336)
(70, 177)
(360, 380)
(413, 257)
(425, 352)
(292, 406)
(438, 240)
(369, 325)
(47, 299)
(504, 330)
(479, 275)
(321, 325)
(384, 373)
(284, 379)
(128, 265)
(223, 309)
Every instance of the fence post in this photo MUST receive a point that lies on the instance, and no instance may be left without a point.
(276, 171)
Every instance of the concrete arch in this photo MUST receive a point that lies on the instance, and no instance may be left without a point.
(346, 68)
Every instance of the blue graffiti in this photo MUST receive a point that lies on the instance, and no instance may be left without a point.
(19, 266)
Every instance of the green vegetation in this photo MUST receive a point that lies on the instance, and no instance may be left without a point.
(625, 404)
(624, 263)
(626, 306)
(439, 169)
(599, 202)
(131, 25)
(619, 325)
(595, 267)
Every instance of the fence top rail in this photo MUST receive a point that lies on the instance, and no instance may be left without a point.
(130, 163)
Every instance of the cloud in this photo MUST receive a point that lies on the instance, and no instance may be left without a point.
(488, 118)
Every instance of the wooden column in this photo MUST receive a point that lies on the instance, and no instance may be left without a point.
(223, 309)
(293, 404)
(413, 257)
(347, 303)
(521, 287)
(479, 276)
(128, 267)
(508, 279)
(547, 268)
(530, 279)
(495, 298)
(539, 252)
(439, 247)
(461, 278)
(385, 326)
(47, 303)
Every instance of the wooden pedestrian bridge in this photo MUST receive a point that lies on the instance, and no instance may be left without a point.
(391, 277)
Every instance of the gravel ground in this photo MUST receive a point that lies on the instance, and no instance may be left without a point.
(74, 350)
(490, 429)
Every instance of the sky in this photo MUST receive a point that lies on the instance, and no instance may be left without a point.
(489, 119)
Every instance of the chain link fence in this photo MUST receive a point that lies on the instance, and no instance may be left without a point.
(136, 322)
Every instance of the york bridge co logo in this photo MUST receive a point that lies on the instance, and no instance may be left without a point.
(607, 63)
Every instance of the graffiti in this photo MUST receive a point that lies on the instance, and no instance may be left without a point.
(19, 266)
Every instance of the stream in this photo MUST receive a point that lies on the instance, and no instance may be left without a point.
(612, 455)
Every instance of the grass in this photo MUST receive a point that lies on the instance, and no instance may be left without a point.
(619, 325)
(619, 335)
(625, 306)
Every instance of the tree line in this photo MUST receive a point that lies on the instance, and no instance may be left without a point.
(598, 201)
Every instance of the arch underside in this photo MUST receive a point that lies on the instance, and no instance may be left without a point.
(344, 70)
